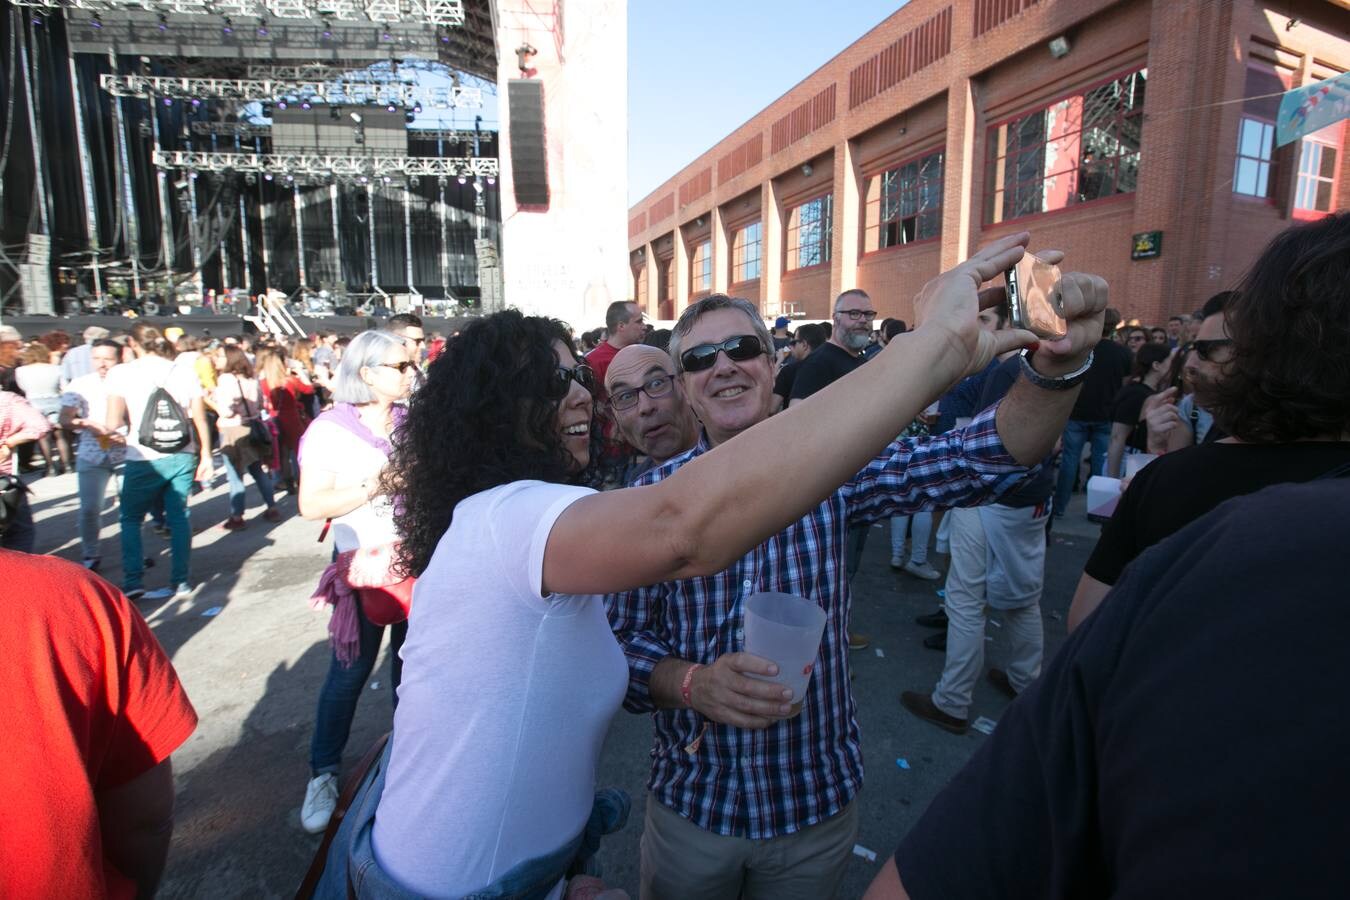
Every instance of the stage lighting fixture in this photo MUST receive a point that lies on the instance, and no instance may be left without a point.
(163, 22)
(228, 27)
(492, 179)
(262, 27)
(462, 180)
(327, 30)
(168, 101)
(408, 117)
(267, 177)
(281, 104)
(391, 106)
(363, 179)
(266, 109)
(387, 179)
(335, 112)
(385, 35)
(305, 104)
(417, 107)
(356, 117)
(290, 177)
(196, 102)
(96, 21)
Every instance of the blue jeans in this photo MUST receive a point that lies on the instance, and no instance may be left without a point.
(1077, 433)
(93, 482)
(237, 489)
(143, 482)
(342, 689)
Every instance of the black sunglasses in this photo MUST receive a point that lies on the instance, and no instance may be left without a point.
(1205, 349)
(401, 366)
(582, 374)
(740, 348)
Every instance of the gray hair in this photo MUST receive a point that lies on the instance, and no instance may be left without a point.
(367, 349)
(708, 304)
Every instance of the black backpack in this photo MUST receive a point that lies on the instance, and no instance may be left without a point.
(164, 426)
(11, 492)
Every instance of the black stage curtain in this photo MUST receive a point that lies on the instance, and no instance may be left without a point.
(354, 233)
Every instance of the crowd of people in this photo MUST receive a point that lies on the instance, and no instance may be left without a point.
(553, 527)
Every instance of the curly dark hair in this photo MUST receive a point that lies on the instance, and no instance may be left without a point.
(486, 416)
(1289, 319)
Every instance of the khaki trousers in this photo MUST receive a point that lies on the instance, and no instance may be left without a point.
(681, 860)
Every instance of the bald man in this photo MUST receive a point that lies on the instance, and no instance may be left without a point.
(649, 405)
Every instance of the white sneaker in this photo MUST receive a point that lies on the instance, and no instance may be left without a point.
(922, 570)
(897, 562)
(184, 591)
(164, 593)
(321, 796)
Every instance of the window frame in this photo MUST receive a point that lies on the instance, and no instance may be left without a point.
(1274, 171)
(1268, 162)
(1338, 145)
(938, 149)
(991, 130)
(700, 279)
(741, 263)
(789, 231)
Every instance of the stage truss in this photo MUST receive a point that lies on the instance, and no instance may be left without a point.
(436, 13)
(333, 93)
(291, 166)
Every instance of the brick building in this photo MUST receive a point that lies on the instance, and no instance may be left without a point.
(953, 122)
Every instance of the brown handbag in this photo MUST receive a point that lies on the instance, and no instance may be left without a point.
(354, 782)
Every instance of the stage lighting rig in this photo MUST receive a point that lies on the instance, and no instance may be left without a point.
(436, 13)
(345, 93)
(325, 164)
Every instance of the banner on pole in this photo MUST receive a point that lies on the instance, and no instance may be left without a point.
(1311, 108)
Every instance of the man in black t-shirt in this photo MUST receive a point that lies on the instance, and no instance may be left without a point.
(1186, 742)
(1277, 383)
(1090, 421)
(841, 354)
(805, 342)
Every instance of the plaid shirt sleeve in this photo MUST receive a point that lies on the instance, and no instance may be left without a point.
(963, 467)
(638, 618)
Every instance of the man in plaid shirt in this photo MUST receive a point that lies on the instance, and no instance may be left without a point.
(746, 800)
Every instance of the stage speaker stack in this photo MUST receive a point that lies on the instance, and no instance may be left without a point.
(529, 154)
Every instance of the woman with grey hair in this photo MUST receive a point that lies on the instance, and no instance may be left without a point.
(342, 456)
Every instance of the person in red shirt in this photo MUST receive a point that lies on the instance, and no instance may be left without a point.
(624, 322)
(93, 710)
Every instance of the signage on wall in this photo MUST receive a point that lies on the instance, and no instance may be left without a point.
(1146, 245)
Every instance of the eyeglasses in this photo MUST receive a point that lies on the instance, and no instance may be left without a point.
(401, 366)
(658, 386)
(740, 348)
(857, 314)
(582, 374)
(1205, 349)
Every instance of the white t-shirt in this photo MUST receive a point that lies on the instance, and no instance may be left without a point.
(505, 702)
(135, 381)
(39, 381)
(88, 395)
(329, 447)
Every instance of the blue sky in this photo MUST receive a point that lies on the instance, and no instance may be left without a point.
(699, 68)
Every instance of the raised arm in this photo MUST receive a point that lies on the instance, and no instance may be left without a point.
(714, 509)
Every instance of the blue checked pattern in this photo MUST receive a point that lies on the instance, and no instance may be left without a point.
(761, 784)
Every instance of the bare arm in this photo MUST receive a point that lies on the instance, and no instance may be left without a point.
(116, 415)
(1120, 433)
(706, 515)
(887, 884)
(1031, 419)
(136, 820)
(1086, 599)
(198, 412)
(321, 499)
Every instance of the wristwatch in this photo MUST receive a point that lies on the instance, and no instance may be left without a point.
(1062, 383)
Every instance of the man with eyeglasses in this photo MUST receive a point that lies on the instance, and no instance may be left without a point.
(807, 340)
(624, 323)
(407, 327)
(745, 801)
(649, 407)
(844, 351)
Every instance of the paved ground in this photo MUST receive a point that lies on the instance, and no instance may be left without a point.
(252, 656)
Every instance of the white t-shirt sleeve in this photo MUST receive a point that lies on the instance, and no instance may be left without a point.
(520, 517)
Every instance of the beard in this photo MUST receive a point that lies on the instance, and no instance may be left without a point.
(1206, 390)
(856, 340)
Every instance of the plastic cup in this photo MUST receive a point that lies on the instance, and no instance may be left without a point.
(786, 629)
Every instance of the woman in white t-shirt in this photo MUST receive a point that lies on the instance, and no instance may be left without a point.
(342, 456)
(39, 377)
(511, 671)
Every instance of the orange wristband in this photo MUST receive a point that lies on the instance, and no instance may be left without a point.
(688, 680)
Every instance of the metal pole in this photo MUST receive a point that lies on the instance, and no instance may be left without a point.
(193, 243)
(129, 223)
(445, 240)
(370, 225)
(407, 236)
(220, 229)
(86, 180)
(262, 220)
(337, 235)
(165, 214)
(299, 232)
(243, 243)
(39, 174)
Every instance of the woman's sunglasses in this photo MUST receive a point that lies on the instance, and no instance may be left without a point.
(582, 374)
(740, 348)
(401, 366)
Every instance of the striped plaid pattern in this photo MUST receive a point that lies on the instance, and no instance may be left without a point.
(760, 784)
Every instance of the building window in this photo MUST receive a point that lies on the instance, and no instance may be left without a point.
(904, 204)
(640, 287)
(745, 250)
(700, 267)
(1317, 164)
(1080, 148)
(810, 228)
(1256, 142)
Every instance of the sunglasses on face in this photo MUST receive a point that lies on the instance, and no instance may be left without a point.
(740, 348)
(582, 374)
(401, 366)
(1205, 349)
(658, 386)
